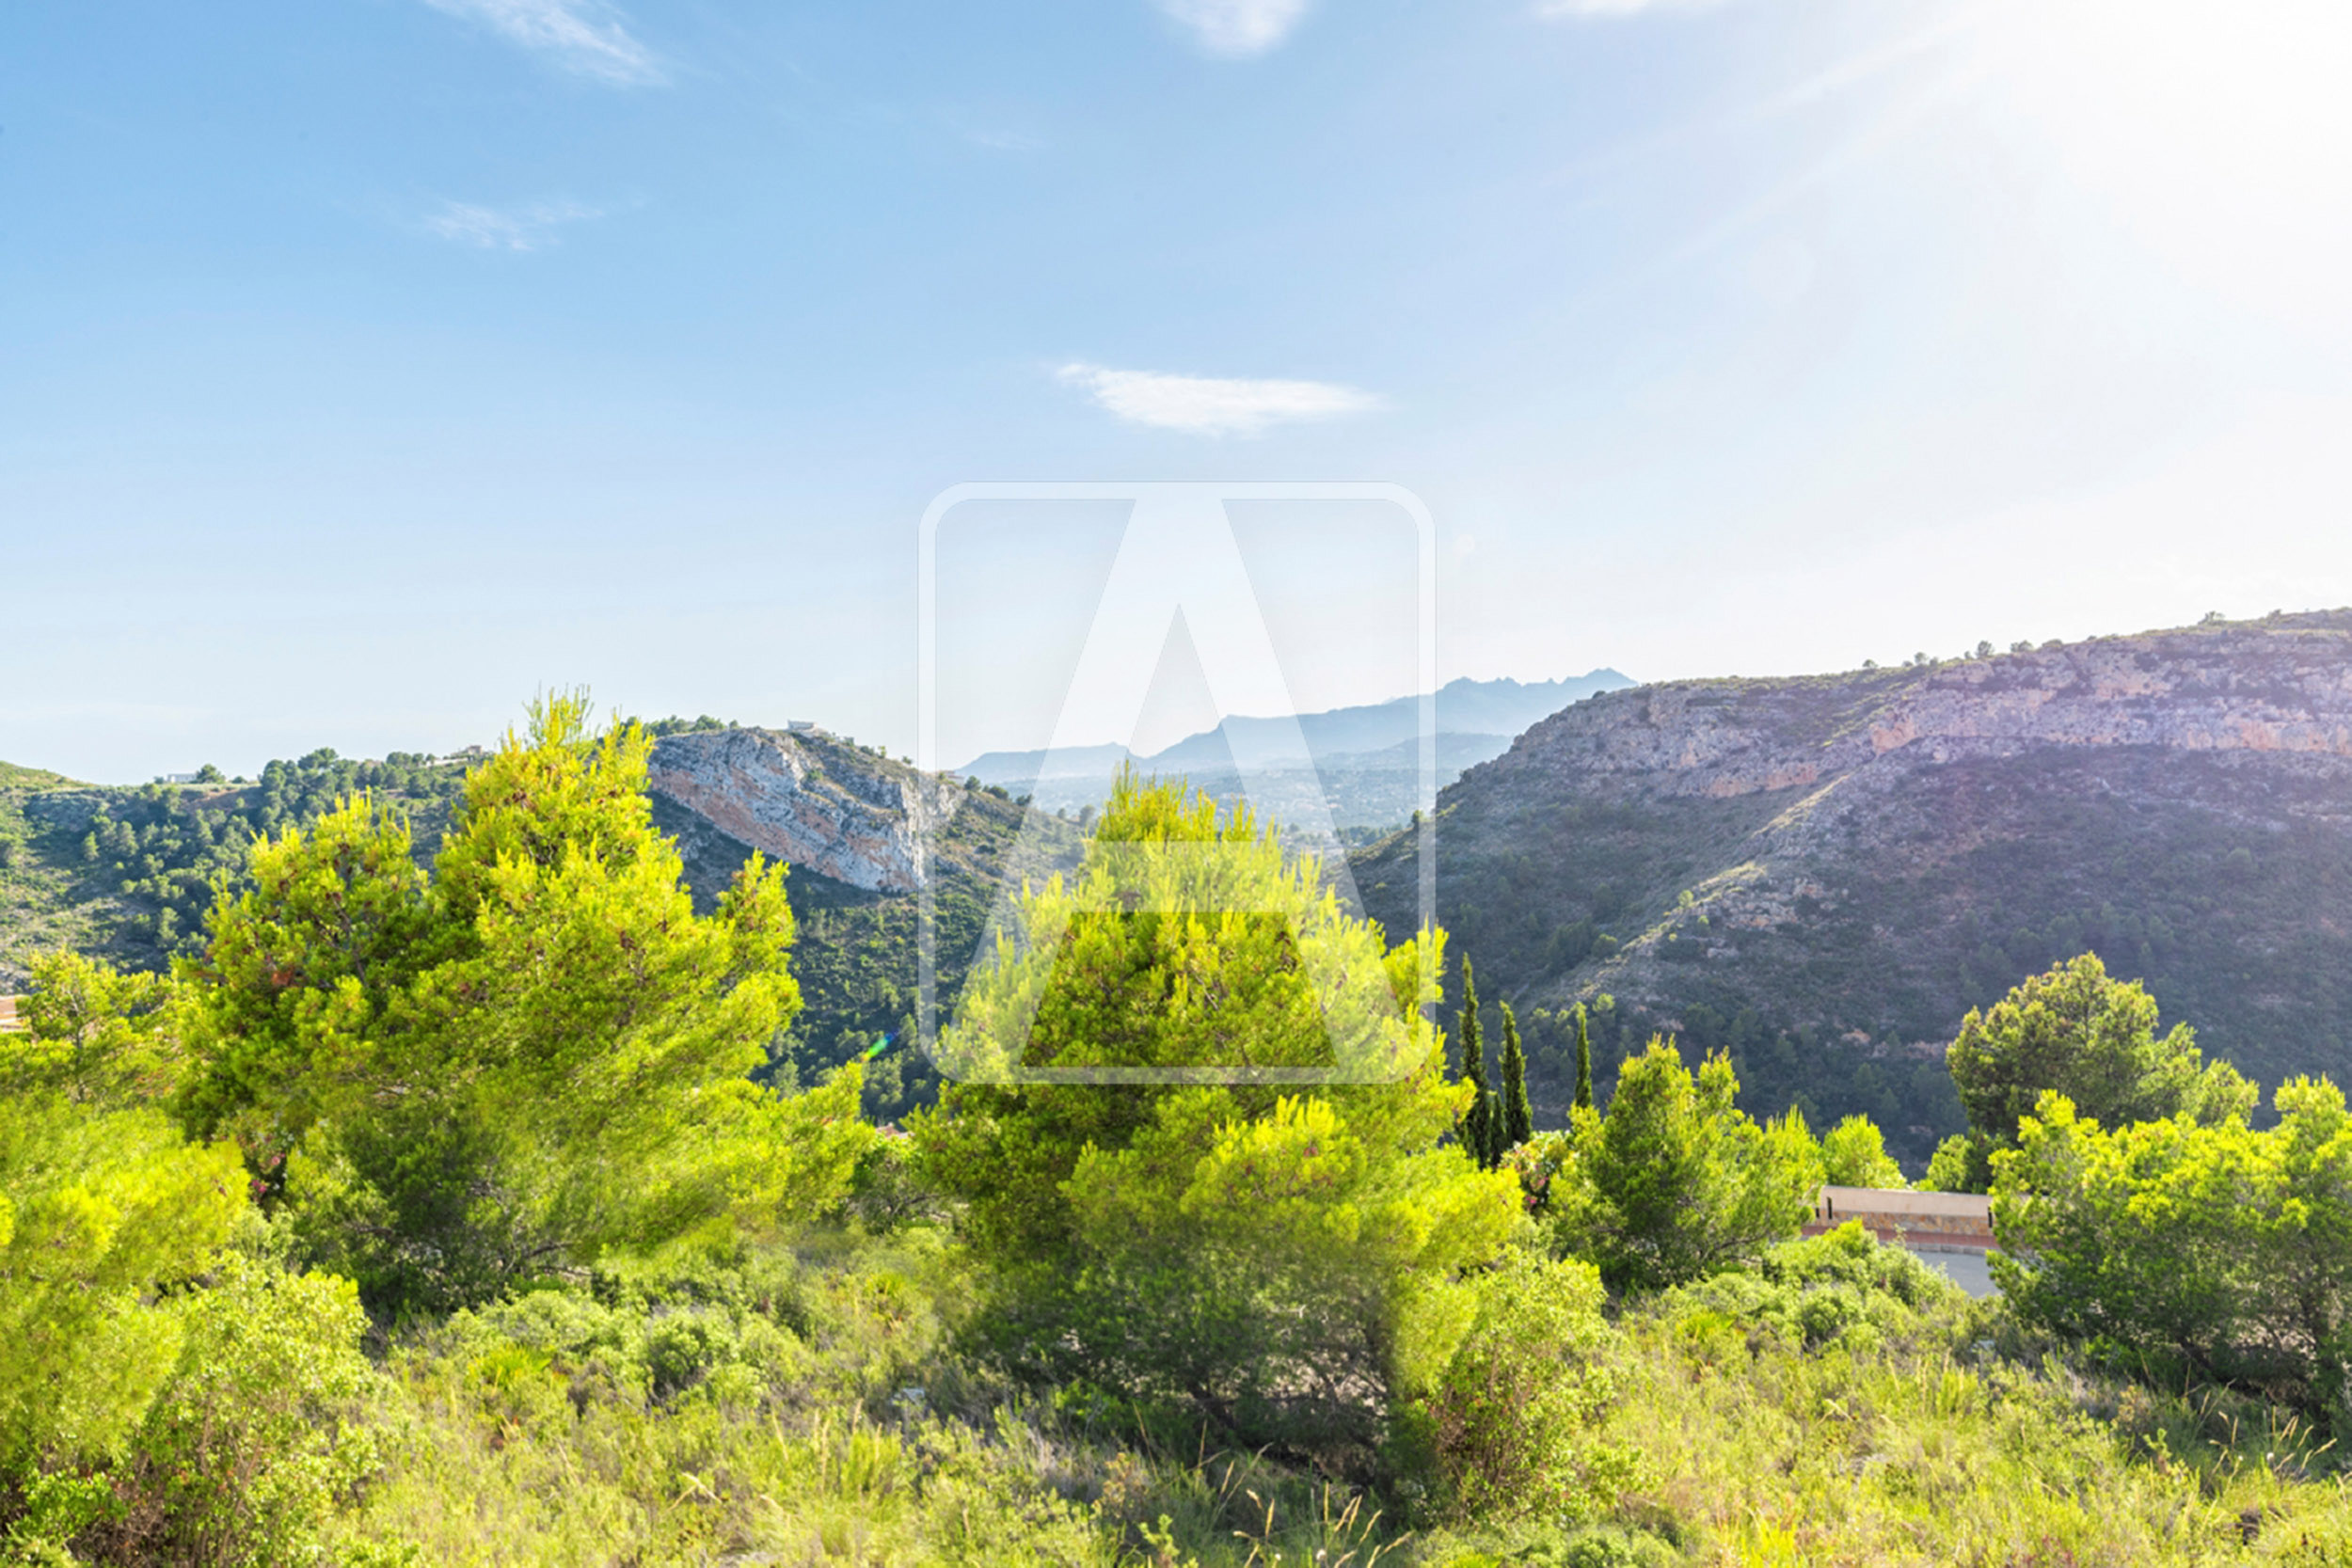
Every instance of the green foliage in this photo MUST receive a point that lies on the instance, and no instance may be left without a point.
(1510, 1423)
(101, 1204)
(712, 1402)
(2076, 1032)
(1274, 1265)
(1478, 1130)
(539, 1055)
(1518, 1121)
(1676, 1181)
(93, 1034)
(675, 725)
(1583, 1095)
(2215, 1249)
(98, 1208)
(261, 1438)
(1854, 1154)
(1960, 1165)
(1842, 1288)
(156, 1404)
(291, 1001)
(1840, 1414)
(746, 1403)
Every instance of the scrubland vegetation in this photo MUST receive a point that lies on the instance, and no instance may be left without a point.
(433, 1214)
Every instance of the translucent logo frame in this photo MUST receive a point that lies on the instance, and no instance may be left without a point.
(1178, 555)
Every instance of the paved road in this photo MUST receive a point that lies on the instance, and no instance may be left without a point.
(1966, 1266)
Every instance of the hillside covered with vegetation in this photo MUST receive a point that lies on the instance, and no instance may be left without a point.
(129, 873)
(441, 1209)
(1820, 876)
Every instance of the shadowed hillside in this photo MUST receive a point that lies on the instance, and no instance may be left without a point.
(1821, 875)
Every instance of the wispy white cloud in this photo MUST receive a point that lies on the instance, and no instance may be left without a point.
(1239, 27)
(530, 227)
(587, 37)
(1213, 405)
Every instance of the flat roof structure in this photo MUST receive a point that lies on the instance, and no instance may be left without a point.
(1951, 1230)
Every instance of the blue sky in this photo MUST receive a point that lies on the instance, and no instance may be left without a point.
(367, 364)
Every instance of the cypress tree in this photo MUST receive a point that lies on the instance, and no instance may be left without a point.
(1478, 1122)
(1583, 1060)
(1518, 1117)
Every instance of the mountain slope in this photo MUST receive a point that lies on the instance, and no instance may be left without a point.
(12, 776)
(126, 873)
(855, 826)
(1367, 758)
(1821, 875)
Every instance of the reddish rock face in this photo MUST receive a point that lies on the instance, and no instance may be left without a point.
(810, 800)
(2233, 689)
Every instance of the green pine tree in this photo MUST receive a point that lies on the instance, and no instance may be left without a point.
(1478, 1129)
(1583, 1059)
(1517, 1116)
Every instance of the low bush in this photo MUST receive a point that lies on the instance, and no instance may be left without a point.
(1839, 1288)
(260, 1441)
(1508, 1429)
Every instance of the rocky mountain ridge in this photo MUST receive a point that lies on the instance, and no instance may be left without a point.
(2281, 688)
(1821, 874)
(810, 799)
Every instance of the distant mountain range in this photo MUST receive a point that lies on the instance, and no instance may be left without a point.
(1366, 758)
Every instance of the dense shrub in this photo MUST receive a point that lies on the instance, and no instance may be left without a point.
(1842, 1288)
(2216, 1251)
(2076, 1031)
(1676, 1181)
(1854, 1154)
(98, 1209)
(1509, 1425)
(1222, 1255)
(261, 1435)
(259, 1438)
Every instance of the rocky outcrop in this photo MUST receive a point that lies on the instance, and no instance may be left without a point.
(2278, 686)
(810, 799)
(1823, 874)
